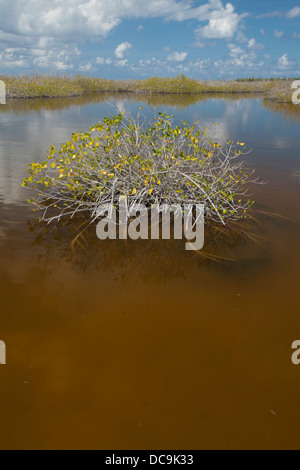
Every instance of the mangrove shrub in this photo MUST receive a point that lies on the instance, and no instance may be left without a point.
(149, 163)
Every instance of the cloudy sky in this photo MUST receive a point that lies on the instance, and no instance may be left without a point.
(141, 38)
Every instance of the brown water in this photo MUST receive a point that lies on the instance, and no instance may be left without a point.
(142, 345)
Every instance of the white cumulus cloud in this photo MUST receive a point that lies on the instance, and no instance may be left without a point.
(122, 63)
(177, 57)
(103, 61)
(294, 12)
(284, 62)
(223, 23)
(278, 34)
(252, 44)
(122, 50)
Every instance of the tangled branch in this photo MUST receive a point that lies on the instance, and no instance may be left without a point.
(149, 163)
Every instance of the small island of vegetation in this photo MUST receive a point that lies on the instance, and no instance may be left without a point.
(147, 162)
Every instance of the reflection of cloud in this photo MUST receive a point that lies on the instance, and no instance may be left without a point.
(235, 113)
(282, 142)
(218, 132)
(234, 108)
(121, 106)
(296, 173)
(36, 133)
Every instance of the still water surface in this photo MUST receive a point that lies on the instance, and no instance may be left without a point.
(142, 345)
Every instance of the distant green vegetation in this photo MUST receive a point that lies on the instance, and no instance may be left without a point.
(272, 79)
(38, 86)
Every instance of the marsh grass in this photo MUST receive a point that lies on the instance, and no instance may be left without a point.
(38, 86)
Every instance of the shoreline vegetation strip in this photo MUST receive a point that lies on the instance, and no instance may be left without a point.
(278, 90)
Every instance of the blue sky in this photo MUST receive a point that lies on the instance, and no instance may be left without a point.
(208, 39)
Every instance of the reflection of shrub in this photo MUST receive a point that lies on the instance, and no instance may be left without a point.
(156, 163)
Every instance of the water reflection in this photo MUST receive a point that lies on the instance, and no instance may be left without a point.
(29, 127)
(143, 345)
(291, 111)
(155, 260)
(26, 106)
